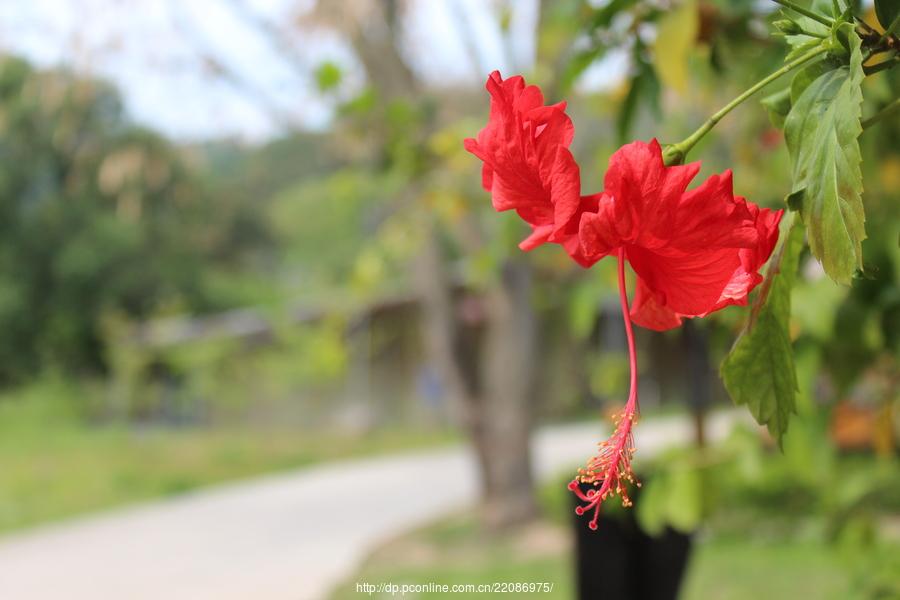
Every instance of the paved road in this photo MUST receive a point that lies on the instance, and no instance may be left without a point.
(290, 536)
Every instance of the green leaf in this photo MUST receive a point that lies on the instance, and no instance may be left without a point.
(674, 495)
(505, 18)
(603, 16)
(887, 11)
(821, 133)
(800, 45)
(778, 105)
(583, 301)
(328, 76)
(685, 499)
(675, 38)
(813, 31)
(644, 89)
(759, 371)
(600, 19)
(652, 505)
(808, 74)
(787, 27)
(579, 64)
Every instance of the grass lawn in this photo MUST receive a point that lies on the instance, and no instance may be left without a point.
(454, 550)
(52, 466)
(740, 569)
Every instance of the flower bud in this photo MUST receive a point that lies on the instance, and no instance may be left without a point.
(787, 27)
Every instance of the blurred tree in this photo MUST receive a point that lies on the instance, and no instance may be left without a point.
(496, 396)
(399, 143)
(98, 217)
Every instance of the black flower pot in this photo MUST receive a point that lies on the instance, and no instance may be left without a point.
(619, 561)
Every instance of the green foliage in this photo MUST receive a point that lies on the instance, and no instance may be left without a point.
(778, 106)
(454, 551)
(742, 489)
(807, 75)
(583, 302)
(675, 496)
(808, 32)
(599, 24)
(821, 133)
(865, 323)
(644, 90)
(742, 569)
(346, 213)
(55, 463)
(579, 64)
(809, 483)
(756, 526)
(328, 76)
(887, 11)
(98, 218)
(759, 370)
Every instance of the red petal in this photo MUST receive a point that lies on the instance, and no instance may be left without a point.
(647, 311)
(694, 251)
(597, 231)
(487, 177)
(690, 284)
(565, 188)
(646, 193)
(527, 165)
(709, 216)
(572, 245)
(538, 236)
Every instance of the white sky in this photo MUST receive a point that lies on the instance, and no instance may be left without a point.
(149, 48)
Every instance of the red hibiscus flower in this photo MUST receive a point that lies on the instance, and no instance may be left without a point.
(528, 166)
(694, 252)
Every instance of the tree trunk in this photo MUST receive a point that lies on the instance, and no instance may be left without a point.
(492, 388)
(509, 376)
(491, 384)
(699, 392)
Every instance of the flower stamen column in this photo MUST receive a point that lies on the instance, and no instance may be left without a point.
(610, 469)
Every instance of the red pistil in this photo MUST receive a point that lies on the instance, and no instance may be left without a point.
(610, 470)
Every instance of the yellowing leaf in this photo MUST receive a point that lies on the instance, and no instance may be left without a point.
(872, 19)
(674, 39)
(890, 173)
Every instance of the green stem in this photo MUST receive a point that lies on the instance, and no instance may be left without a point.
(805, 12)
(868, 28)
(891, 29)
(890, 63)
(675, 153)
(888, 110)
(811, 34)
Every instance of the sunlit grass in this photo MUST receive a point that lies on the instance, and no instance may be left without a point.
(456, 550)
(742, 569)
(52, 465)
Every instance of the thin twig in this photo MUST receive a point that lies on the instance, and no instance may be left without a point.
(891, 108)
(805, 12)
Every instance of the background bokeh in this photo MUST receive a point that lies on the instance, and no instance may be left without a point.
(243, 236)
